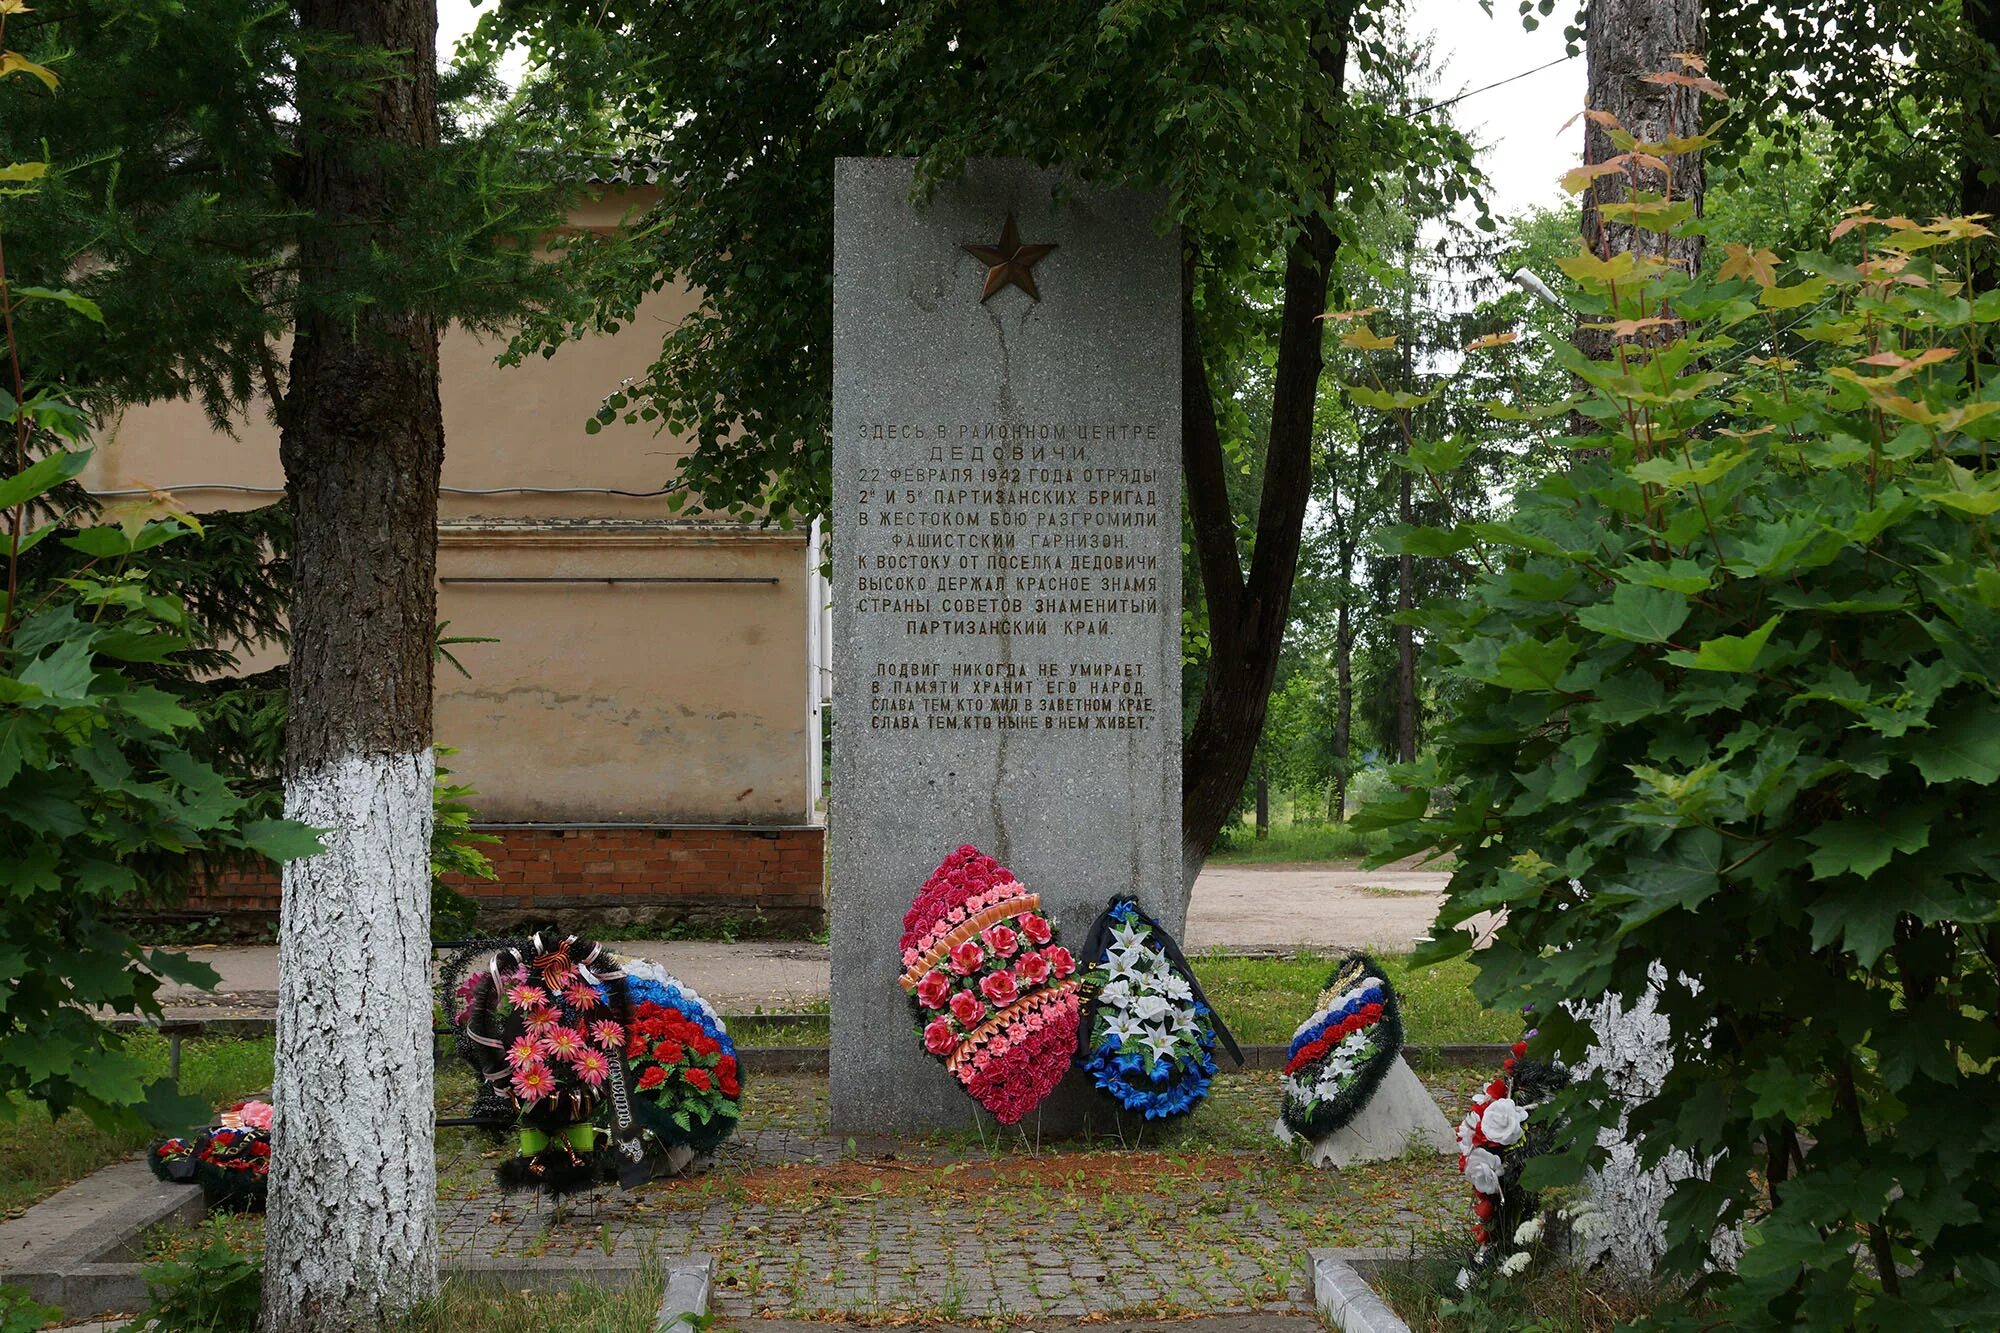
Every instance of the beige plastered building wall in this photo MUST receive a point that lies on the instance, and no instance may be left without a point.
(646, 668)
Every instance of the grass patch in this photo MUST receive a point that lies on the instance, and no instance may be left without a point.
(467, 1308)
(750, 1032)
(1550, 1298)
(1296, 842)
(38, 1155)
(1265, 999)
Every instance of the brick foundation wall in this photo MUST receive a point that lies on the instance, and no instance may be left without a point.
(619, 875)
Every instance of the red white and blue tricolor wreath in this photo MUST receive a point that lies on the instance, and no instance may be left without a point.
(1339, 1056)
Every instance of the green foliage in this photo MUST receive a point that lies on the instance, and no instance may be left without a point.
(1730, 701)
(98, 783)
(213, 1290)
(40, 1154)
(1887, 97)
(744, 107)
(1291, 840)
(19, 1313)
(171, 150)
(1552, 1296)
(454, 851)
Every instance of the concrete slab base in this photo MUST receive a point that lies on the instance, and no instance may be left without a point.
(1400, 1118)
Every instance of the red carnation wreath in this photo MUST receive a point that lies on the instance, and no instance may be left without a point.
(995, 996)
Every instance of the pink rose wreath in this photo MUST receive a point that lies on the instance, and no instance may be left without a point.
(995, 996)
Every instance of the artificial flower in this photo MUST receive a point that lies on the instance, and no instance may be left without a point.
(1482, 1171)
(592, 1068)
(999, 987)
(562, 1043)
(525, 1051)
(533, 1082)
(974, 921)
(1128, 935)
(1502, 1121)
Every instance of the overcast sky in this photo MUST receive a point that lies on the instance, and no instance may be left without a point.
(1521, 123)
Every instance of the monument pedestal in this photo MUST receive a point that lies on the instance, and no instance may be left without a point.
(1006, 581)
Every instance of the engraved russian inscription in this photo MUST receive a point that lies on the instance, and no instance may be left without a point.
(1016, 529)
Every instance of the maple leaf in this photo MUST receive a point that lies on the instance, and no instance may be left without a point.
(1491, 340)
(1578, 179)
(1595, 117)
(1625, 328)
(1701, 83)
(1760, 266)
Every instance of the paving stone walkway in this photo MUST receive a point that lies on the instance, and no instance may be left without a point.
(1210, 1217)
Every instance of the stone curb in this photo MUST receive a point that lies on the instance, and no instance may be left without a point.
(1344, 1295)
(684, 1293)
(74, 1249)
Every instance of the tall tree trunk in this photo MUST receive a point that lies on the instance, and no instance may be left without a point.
(1343, 705)
(1247, 615)
(351, 1239)
(1628, 39)
(1406, 600)
(1406, 643)
(1263, 803)
(1343, 681)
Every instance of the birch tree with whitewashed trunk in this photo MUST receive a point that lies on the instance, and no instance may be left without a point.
(351, 1239)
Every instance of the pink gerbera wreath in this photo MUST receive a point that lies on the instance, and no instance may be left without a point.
(994, 995)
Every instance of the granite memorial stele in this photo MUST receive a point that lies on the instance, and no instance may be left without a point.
(1006, 580)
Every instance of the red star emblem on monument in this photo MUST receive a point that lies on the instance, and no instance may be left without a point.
(1008, 262)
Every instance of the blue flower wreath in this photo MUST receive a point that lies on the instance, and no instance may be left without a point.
(1159, 1065)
